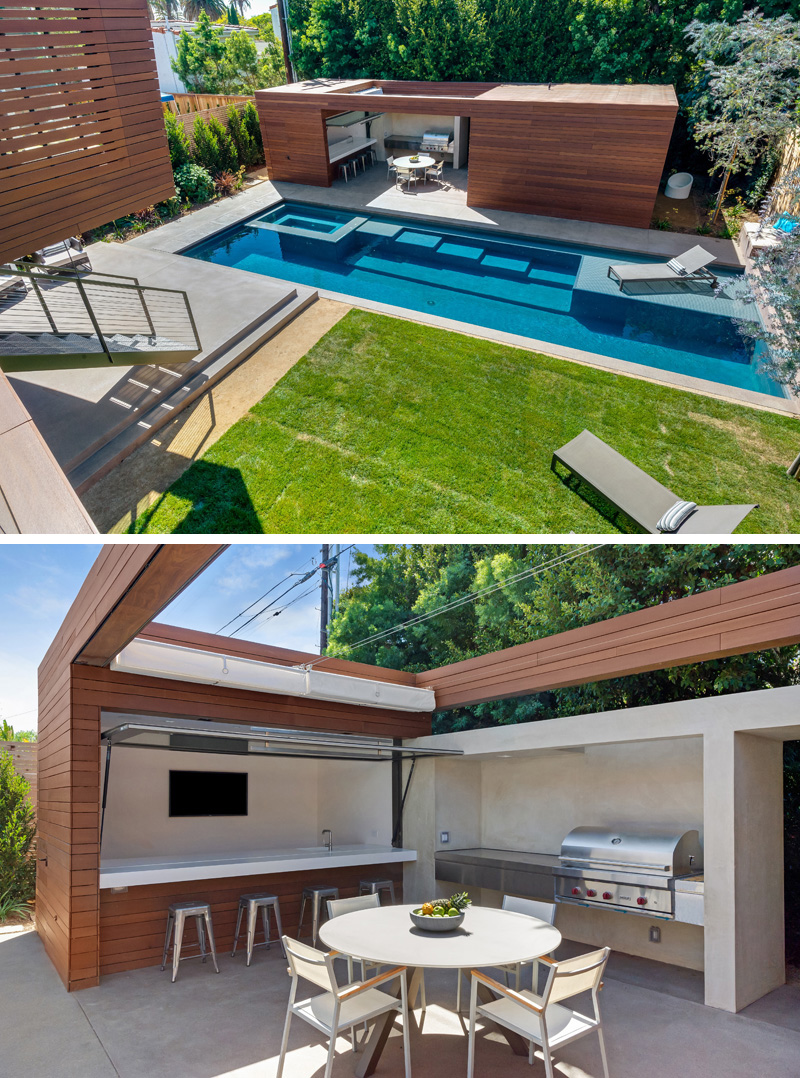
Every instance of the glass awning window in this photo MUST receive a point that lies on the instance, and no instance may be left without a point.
(202, 735)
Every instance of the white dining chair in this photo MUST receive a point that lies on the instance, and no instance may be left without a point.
(531, 907)
(336, 1009)
(390, 167)
(435, 172)
(542, 1020)
(405, 175)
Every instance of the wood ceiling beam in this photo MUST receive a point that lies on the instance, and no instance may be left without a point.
(751, 615)
(126, 588)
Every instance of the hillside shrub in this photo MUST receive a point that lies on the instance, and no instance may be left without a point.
(180, 150)
(194, 183)
(226, 151)
(17, 838)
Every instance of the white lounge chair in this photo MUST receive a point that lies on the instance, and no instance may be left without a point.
(66, 254)
(690, 266)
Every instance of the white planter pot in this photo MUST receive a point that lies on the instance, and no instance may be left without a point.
(679, 185)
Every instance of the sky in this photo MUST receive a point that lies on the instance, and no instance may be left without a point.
(38, 583)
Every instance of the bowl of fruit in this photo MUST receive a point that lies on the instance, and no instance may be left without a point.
(441, 914)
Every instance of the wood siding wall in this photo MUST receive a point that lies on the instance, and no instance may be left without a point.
(589, 153)
(81, 124)
(24, 755)
(582, 162)
(132, 924)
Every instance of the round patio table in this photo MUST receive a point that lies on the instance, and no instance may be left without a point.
(406, 162)
(388, 937)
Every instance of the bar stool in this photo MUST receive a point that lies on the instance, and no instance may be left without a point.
(252, 904)
(176, 921)
(374, 887)
(344, 171)
(315, 896)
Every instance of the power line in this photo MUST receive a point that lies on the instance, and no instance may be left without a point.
(258, 600)
(471, 597)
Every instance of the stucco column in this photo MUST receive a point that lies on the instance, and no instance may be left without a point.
(743, 825)
(419, 831)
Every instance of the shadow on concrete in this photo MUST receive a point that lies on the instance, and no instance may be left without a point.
(218, 498)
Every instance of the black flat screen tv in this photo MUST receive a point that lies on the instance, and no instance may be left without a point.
(208, 793)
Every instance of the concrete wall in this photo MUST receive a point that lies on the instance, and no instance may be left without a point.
(290, 801)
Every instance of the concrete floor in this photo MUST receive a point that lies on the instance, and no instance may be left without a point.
(140, 1025)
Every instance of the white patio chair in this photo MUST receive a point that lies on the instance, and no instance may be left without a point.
(435, 172)
(541, 1019)
(338, 1009)
(405, 175)
(542, 911)
(390, 167)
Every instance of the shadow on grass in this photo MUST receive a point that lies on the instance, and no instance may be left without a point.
(616, 517)
(219, 503)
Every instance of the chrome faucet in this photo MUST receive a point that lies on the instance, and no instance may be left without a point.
(327, 842)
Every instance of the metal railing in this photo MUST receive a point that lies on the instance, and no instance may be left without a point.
(100, 304)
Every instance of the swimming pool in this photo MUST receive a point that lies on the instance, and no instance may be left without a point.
(554, 293)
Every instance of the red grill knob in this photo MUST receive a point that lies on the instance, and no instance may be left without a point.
(607, 894)
(591, 894)
(576, 890)
(641, 901)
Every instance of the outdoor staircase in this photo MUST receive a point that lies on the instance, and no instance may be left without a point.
(58, 321)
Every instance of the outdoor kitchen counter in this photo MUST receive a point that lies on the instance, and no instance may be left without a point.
(138, 871)
(529, 874)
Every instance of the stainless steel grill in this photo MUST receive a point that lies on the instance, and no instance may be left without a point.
(633, 871)
(437, 141)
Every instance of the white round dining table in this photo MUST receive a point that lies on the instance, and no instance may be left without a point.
(387, 936)
(406, 162)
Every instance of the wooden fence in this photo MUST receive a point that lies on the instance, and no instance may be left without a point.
(182, 103)
(788, 201)
(186, 120)
(24, 754)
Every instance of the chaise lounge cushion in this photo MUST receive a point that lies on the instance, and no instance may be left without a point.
(675, 516)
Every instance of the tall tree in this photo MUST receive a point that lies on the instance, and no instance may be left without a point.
(410, 582)
(199, 55)
(214, 9)
(750, 72)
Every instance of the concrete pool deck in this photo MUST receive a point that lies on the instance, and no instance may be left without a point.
(140, 1025)
(371, 192)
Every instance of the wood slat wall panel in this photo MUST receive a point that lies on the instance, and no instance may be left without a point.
(589, 153)
(748, 616)
(132, 924)
(92, 66)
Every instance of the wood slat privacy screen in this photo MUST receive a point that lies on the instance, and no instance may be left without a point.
(81, 126)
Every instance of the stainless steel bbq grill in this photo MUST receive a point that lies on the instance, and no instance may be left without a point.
(633, 871)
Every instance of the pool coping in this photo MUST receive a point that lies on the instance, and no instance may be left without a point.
(224, 218)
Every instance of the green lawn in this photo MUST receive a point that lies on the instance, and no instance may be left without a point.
(390, 426)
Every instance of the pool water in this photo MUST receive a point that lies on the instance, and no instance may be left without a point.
(553, 293)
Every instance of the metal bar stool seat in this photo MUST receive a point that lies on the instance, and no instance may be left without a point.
(252, 904)
(315, 894)
(176, 922)
(374, 887)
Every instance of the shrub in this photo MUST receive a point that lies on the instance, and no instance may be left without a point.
(226, 151)
(180, 150)
(17, 834)
(253, 128)
(228, 183)
(246, 149)
(194, 183)
(206, 146)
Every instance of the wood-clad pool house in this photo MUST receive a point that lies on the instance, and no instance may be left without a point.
(126, 704)
(588, 153)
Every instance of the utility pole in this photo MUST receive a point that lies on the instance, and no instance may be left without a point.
(336, 578)
(286, 39)
(323, 604)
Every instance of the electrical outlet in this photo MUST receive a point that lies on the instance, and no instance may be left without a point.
(655, 934)
(444, 837)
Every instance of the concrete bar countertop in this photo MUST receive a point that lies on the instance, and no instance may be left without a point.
(166, 868)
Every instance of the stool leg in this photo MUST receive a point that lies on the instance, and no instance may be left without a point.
(170, 923)
(238, 926)
(177, 941)
(252, 913)
(391, 891)
(201, 937)
(210, 931)
(265, 921)
(315, 920)
(280, 926)
(302, 911)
